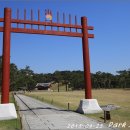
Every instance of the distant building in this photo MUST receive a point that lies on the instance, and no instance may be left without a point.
(43, 86)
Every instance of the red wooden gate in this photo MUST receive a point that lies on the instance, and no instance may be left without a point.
(7, 29)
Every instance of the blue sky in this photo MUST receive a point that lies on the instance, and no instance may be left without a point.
(109, 50)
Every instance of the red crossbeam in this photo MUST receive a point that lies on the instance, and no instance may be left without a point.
(1, 19)
(49, 24)
(47, 32)
(1, 29)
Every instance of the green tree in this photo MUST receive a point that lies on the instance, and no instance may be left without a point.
(13, 76)
(26, 78)
(57, 78)
(66, 78)
(77, 80)
(124, 78)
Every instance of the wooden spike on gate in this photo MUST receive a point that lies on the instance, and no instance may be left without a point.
(70, 21)
(17, 17)
(64, 20)
(51, 20)
(45, 18)
(31, 18)
(76, 22)
(24, 17)
(38, 18)
(58, 20)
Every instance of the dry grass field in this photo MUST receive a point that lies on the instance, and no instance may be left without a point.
(108, 96)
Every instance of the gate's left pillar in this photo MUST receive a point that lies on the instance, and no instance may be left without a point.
(6, 56)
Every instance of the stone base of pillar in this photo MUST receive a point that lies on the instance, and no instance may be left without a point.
(89, 106)
(7, 111)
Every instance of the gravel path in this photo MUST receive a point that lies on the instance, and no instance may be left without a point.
(37, 115)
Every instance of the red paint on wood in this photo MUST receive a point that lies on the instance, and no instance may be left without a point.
(50, 24)
(1, 20)
(87, 75)
(46, 32)
(1, 29)
(6, 56)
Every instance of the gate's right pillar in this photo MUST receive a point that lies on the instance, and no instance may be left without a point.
(86, 60)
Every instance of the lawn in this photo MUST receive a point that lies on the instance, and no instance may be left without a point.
(11, 124)
(109, 96)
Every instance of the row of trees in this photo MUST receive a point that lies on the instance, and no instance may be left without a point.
(27, 79)
(108, 80)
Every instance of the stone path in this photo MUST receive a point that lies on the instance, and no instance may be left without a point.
(37, 115)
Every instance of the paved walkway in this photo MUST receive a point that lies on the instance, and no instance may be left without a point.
(37, 115)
